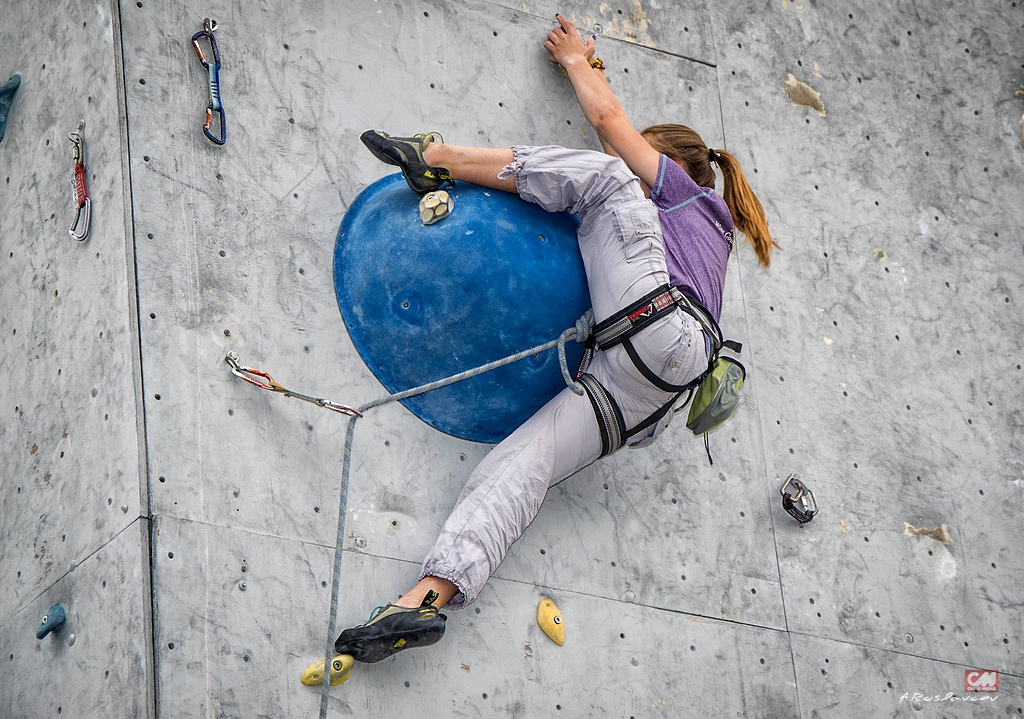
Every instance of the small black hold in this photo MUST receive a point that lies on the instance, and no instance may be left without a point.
(223, 253)
(543, 552)
(170, 645)
(324, 584)
(170, 555)
(150, 235)
(613, 564)
(227, 333)
(693, 648)
(145, 158)
(163, 479)
(141, 81)
(407, 683)
(156, 396)
(291, 120)
(753, 591)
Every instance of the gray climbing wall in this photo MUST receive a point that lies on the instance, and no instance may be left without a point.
(186, 520)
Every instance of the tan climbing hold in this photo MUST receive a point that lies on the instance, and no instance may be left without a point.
(435, 206)
(550, 620)
(800, 93)
(939, 534)
(341, 670)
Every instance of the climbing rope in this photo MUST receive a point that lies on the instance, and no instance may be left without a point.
(579, 332)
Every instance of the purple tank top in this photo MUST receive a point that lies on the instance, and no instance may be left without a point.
(697, 228)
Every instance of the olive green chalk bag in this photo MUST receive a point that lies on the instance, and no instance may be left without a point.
(717, 396)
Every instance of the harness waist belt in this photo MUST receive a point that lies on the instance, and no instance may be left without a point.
(634, 318)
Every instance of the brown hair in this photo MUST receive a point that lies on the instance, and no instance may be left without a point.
(685, 146)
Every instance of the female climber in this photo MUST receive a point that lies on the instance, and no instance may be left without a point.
(650, 221)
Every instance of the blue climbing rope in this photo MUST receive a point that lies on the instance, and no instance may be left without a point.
(579, 333)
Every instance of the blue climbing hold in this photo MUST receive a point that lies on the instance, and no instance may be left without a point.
(423, 302)
(6, 98)
(53, 621)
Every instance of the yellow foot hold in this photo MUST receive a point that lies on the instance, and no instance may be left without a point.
(341, 670)
(435, 206)
(550, 620)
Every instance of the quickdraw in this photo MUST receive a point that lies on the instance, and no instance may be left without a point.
(243, 372)
(83, 205)
(213, 75)
(800, 503)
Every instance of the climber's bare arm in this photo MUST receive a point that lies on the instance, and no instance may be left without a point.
(599, 104)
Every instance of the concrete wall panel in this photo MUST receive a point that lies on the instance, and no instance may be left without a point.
(839, 679)
(223, 650)
(70, 469)
(104, 670)
(890, 350)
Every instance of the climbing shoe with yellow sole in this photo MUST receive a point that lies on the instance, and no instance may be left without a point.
(407, 154)
(392, 629)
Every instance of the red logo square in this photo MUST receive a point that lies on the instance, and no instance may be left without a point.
(979, 681)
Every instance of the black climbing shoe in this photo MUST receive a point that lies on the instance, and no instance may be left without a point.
(392, 629)
(407, 153)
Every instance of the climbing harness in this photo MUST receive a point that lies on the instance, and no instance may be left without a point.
(799, 502)
(213, 74)
(83, 205)
(717, 389)
(580, 332)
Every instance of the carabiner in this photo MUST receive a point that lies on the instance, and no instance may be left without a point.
(801, 504)
(213, 77)
(83, 205)
(241, 371)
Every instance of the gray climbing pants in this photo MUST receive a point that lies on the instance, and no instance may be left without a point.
(624, 258)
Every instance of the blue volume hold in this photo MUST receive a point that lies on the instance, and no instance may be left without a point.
(423, 302)
(6, 98)
(53, 621)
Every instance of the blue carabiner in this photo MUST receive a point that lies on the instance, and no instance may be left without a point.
(213, 75)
